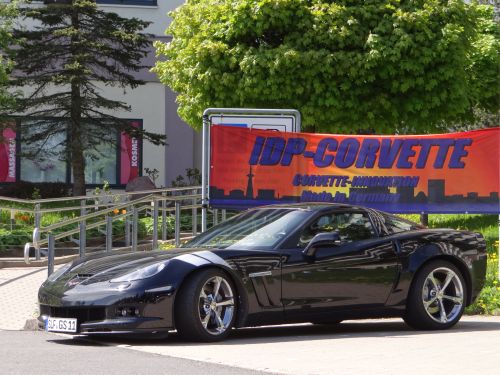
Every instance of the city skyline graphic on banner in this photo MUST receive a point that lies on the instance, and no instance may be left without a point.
(456, 172)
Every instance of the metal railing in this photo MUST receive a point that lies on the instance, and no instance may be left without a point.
(83, 203)
(157, 204)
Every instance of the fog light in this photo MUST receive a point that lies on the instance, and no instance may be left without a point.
(128, 311)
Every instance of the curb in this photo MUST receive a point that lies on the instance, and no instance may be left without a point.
(20, 263)
(32, 325)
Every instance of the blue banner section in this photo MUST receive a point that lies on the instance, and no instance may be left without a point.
(442, 173)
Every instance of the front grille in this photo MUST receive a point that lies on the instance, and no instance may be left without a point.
(82, 314)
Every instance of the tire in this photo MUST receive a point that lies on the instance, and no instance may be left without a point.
(199, 314)
(437, 297)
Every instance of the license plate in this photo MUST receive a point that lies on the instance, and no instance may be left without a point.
(60, 324)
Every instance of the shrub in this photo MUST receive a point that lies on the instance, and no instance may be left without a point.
(30, 190)
(13, 238)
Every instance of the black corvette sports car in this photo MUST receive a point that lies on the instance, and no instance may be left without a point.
(319, 263)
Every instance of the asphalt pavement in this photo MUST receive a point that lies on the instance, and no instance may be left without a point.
(375, 347)
(40, 353)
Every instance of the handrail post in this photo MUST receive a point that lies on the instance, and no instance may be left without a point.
(27, 247)
(109, 233)
(164, 218)
(194, 216)
(12, 219)
(177, 223)
(82, 241)
(135, 218)
(155, 224)
(126, 222)
(224, 215)
(216, 216)
(36, 230)
(36, 245)
(38, 216)
(50, 255)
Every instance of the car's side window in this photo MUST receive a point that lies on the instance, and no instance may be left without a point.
(351, 226)
(396, 225)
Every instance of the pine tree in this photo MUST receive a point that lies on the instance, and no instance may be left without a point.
(64, 61)
(7, 13)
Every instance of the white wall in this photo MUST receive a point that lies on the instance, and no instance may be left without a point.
(148, 104)
(157, 15)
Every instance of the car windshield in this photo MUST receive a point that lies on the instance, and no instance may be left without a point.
(255, 229)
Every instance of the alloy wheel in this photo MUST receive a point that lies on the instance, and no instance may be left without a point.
(216, 305)
(443, 295)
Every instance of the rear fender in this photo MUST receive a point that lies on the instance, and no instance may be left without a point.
(414, 257)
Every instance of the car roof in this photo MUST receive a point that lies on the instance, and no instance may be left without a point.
(312, 206)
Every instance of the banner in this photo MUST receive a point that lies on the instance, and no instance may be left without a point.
(8, 154)
(130, 156)
(438, 173)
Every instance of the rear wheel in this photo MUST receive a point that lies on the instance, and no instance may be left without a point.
(205, 309)
(437, 297)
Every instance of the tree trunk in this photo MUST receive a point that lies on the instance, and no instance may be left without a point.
(77, 161)
(75, 133)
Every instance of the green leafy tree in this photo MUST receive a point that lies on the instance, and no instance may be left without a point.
(8, 11)
(387, 65)
(64, 62)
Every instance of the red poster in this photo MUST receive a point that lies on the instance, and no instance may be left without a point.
(437, 173)
(8, 154)
(130, 155)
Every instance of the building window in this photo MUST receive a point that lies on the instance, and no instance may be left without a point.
(101, 165)
(41, 158)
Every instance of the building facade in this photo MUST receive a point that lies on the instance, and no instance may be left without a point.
(152, 106)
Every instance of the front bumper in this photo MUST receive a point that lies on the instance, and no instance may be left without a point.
(102, 311)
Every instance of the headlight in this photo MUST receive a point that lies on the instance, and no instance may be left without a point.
(61, 271)
(142, 273)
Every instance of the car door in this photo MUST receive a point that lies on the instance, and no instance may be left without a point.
(357, 272)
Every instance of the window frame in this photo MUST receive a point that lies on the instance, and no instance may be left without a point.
(118, 185)
(413, 226)
(293, 238)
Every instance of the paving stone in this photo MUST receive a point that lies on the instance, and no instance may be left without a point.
(18, 295)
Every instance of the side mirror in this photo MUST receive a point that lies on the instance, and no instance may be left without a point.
(319, 240)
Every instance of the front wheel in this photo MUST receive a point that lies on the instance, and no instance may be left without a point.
(437, 297)
(205, 309)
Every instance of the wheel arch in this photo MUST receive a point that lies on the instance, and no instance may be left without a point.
(241, 311)
(462, 267)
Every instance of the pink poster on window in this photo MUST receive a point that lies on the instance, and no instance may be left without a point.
(130, 155)
(8, 154)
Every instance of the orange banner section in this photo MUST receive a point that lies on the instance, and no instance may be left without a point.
(447, 173)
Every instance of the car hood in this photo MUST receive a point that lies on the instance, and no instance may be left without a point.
(105, 267)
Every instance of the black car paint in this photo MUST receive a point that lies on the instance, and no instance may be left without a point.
(369, 278)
